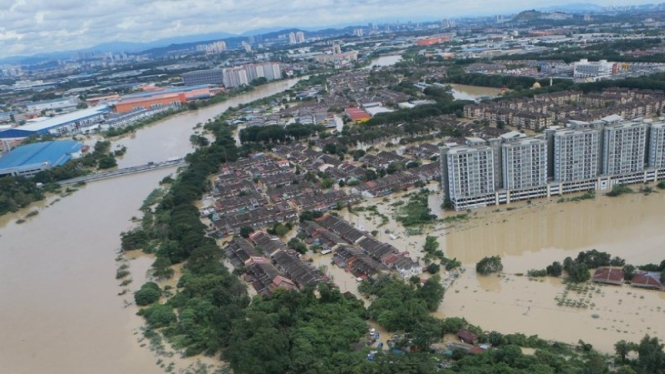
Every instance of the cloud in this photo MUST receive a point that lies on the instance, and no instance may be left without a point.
(33, 26)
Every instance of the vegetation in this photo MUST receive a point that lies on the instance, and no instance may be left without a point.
(148, 294)
(416, 211)
(489, 265)
(312, 330)
(619, 190)
(19, 192)
(401, 306)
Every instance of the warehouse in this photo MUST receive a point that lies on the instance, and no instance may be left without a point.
(58, 125)
(30, 159)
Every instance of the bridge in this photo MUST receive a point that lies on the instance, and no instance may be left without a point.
(150, 166)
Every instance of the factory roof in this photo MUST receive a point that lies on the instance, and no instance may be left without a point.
(54, 153)
(56, 121)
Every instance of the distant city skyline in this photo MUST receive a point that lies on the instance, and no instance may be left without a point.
(30, 27)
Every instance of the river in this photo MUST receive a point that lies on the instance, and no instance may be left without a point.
(61, 312)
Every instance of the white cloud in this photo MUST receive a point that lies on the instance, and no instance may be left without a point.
(33, 26)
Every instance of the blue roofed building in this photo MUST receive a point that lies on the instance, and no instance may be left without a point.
(28, 160)
(58, 125)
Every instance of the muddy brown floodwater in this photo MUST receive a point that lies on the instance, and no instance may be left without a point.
(533, 236)
(60, 310)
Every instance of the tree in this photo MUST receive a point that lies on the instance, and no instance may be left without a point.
(578, 273)
(489, 265)
(651, 356)
(358, 154)
(107, 162)
(148, 294)
(555, 269)
(433, 268)
(622, 349)
(245, 231)
(431, 292)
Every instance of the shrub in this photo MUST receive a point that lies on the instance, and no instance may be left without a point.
(148, 294)
(489, 265)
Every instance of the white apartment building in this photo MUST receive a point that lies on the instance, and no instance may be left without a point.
(469, 171)
(624, 147)
(657, 145)
(524, 163)
(576, 154)
(582, 157)
(241, 75)
(235, 77)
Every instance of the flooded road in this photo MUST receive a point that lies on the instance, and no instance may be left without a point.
(61, 312)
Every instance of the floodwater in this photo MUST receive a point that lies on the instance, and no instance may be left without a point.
(382, 61)
(465, 92)
(61, 312)
(532, 236)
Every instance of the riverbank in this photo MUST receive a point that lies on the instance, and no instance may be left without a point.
(58, 268)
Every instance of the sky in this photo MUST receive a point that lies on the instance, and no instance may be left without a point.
(28, 27)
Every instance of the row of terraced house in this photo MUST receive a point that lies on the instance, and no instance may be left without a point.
(548, 109)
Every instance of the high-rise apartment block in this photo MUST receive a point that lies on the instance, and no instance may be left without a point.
(524, 163)
(576, 154)
(624, 147)
(657, 146)
(581, 157)
(242, 75)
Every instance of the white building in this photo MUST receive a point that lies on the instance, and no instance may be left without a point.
(241, 75)
(468, 171)
(587, 69)
(524, 162)
(292, 38)
(576, 154)
(300, 37)
(624, 147)
(657, 145)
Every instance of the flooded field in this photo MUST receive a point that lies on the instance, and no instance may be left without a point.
(465, 92)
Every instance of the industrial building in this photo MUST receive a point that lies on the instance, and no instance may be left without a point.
(214, 77)
(169, 97)
(581, 157)
(30, 159)
(66, 104)
(58, 125)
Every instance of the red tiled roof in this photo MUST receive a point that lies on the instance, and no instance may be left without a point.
(645, 279)
(608, 275)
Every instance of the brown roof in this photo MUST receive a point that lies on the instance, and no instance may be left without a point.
(647, 280)
(608, 274)
(467, 336)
